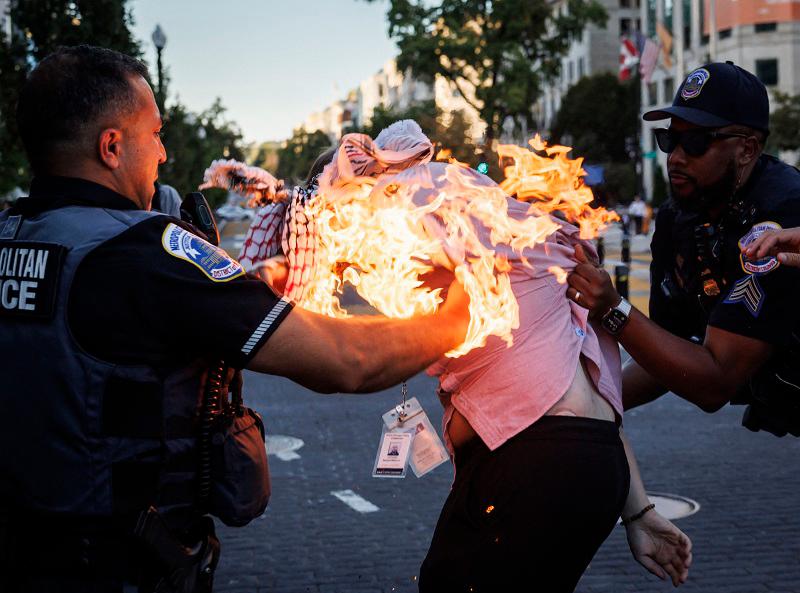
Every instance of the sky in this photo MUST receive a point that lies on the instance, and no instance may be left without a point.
(272, 62)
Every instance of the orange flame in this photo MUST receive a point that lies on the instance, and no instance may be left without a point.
(552, 182)
(559, 273)
(445, 154)
(382, 247)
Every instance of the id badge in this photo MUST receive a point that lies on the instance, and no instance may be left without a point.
(393, 452)
(427, 450)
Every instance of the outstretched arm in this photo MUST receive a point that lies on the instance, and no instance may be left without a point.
(656, 543)
(361, 354)
(707, 375)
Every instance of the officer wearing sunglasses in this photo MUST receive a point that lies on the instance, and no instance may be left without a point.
(723, 326)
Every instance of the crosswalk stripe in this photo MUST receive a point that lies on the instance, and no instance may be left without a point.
(354, 501)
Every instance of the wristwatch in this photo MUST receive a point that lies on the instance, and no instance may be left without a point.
(617, 317)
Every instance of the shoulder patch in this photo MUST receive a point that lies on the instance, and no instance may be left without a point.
(211, 260)
(695, 83)
(765, 264)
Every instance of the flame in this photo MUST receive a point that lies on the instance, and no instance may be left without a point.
(382, 245)
(552, 182)
(445, 154)
(559, 273)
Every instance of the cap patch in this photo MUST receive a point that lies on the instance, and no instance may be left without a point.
(765, 264)
(211, 260)
(695, 83)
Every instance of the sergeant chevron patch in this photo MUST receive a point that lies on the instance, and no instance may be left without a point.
(211, 260)
(748, 292)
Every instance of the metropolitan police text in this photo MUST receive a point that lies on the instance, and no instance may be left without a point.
(20, 272)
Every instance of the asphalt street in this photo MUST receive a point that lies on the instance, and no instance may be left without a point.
(746, 534)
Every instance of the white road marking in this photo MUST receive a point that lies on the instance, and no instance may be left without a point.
(354, 501)
(283, 447)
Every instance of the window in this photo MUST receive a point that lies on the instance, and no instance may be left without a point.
(571, 72)
(766, 27)
(581, 67)
(725, 33)
(624, 26)
(669, 89)
(767, 71)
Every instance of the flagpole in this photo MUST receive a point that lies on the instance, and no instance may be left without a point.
(678, 34)
(712, 30)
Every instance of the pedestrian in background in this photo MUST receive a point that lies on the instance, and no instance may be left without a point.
(637, 211)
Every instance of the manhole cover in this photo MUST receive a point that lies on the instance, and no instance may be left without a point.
(283, 447)
(672, 506)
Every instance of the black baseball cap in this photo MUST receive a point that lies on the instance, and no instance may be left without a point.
(719, 94)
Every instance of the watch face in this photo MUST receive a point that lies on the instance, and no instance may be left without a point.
(614, 320)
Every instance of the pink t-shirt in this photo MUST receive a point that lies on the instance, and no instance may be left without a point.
(501, 390)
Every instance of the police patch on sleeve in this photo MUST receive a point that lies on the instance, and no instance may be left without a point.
(747, 290)
(765, 264)
(211, 260)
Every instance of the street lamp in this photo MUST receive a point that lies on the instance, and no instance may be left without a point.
(160, 41)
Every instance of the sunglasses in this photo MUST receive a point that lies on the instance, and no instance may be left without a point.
(694, 142)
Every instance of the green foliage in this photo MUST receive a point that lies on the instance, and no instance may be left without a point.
(40, 26)
(504, 49)
(192, 142)
(599, 119)
(597, 116)
(301, 150)
(785, 123)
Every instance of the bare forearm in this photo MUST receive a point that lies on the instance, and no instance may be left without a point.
(687, 369)
(392, 351)
(638, 386)
(359, 354)
(637, 497)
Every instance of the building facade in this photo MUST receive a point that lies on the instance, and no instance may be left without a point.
(595, 52)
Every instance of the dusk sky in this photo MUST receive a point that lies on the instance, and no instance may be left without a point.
(272, 62)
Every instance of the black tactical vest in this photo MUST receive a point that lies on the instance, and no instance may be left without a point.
(80, 436)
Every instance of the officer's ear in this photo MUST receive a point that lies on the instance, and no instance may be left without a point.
(751, 150)
(109, 146)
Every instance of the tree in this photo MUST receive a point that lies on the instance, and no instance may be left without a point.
(301, 150)
(599, 119)
(496, 53)
(192, 142)
(785, 123)
(38, 28)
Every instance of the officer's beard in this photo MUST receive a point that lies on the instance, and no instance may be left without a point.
(709, 198)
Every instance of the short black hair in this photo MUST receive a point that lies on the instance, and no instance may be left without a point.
(71, 92)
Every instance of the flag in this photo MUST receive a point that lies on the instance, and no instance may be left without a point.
(649, 58)
(666, 43)
(628, 58)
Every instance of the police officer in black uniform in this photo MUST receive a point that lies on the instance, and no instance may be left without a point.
(723, 326)
(110, 316)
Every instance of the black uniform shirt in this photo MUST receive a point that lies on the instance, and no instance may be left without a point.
(757, 299)
(134, 302)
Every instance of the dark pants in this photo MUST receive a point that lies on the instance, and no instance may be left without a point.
(530, 515)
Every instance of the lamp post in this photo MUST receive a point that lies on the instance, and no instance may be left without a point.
(160, 41)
